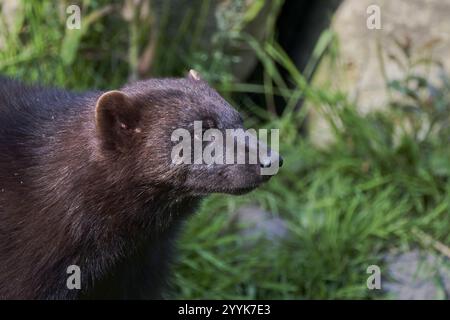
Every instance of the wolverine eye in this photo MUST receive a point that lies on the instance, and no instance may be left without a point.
(208, 124)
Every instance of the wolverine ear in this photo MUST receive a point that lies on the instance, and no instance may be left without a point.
(117, 120)
(194, 75)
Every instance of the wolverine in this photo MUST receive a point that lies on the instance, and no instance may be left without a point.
(87, 180)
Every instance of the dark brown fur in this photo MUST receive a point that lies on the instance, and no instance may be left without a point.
(86, 179)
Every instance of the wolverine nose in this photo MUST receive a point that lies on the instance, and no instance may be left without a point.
(267, 162)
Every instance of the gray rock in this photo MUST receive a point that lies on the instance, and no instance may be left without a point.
(358, 69)
(259, 223)
(417, 275)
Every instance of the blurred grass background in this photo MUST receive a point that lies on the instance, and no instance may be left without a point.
(382, 185)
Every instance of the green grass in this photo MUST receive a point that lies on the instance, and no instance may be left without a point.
(369, 192)
(345, 208)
